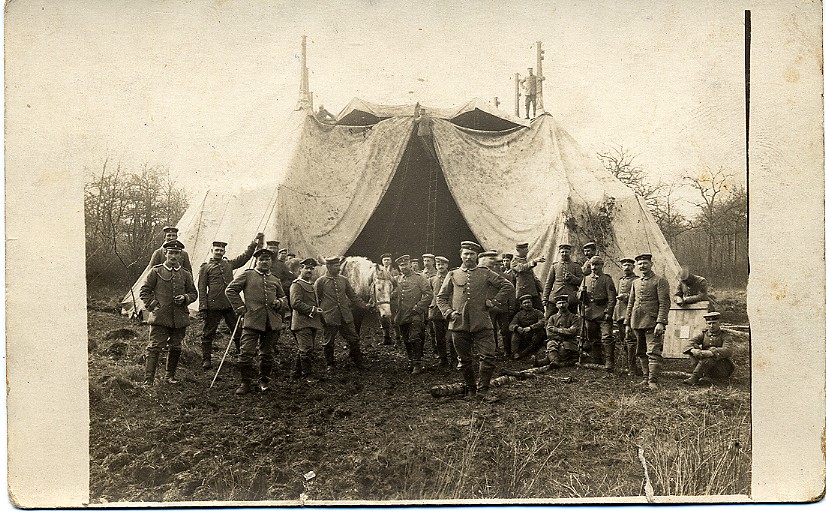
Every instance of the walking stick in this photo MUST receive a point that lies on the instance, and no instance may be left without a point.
(231, 337)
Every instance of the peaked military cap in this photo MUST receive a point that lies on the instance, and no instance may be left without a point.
(522, 244)
(590, 244)
(263, 251)
(561, 298)
(527, 297)
(471, 245)
(333, 260)
(169, 228)
(443, 259)
(626, 260)
(273, 245)
(643, 257)
(711, 315)
(564, 245)
(426, 256)
(309, 262)
(173, 245)
(596, 260)
(507, 255)
(489, 253)
(220, 244)
(403, 259)
(414, 260)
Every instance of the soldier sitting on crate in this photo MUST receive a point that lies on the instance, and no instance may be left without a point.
(562, 348)
(710, 352)
(692, 289)
(527, 326)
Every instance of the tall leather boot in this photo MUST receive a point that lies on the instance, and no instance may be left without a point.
(329, 355)
(264, 370)
(306, 366)
(469, 376)
(597, 353)
(417, 348)
(206, 354)
(172, 365)
(609, 356)
(645, 368)
(485, 374)
(653, 375)
(245, 371)
(633, 365)
(151, 365)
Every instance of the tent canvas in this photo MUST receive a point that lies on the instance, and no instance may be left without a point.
(408, 179)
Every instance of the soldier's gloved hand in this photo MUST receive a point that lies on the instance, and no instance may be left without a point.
(695, 352)
(240, 311)
(659, 329)
(179, 300)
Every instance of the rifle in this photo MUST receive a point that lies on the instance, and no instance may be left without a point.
(583, 341)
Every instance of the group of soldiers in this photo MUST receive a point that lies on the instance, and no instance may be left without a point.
(491, 305)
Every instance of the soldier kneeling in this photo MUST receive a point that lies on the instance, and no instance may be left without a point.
(709, 352)
(562, 327)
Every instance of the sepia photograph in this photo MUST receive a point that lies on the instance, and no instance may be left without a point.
(440, 253)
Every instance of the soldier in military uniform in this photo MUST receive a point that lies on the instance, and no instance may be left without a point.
(213, 278)
(500, 316)
(507, 258)
(589, 250)
(336, 298)
(564, 278)
(692, 289)
(409, 303)
(263, 309)
(382, 279)
(562, 348)
(527, 326)
(629, 343)
(526, 281)
(710, 352)
(463, 302)
(444, 344)
(167, 292)
(306, 320)
(646, 318)
(429, 261)
(600, 298)
(159, 255)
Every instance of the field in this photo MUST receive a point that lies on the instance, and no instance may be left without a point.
(379, 435)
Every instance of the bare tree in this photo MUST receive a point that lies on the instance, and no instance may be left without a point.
(671, 221)
(620, 162)
(714, 187)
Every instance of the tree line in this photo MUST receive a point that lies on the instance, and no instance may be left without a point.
(125, 210)
(713, 241)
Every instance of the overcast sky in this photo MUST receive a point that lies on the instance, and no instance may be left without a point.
(199, 86)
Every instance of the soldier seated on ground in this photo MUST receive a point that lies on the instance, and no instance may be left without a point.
(562, 349)
(527, 327)
(710, 352)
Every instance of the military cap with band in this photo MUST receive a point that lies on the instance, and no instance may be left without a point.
(442, 259)
(561, 298)
(263, 251)
(284, 250)
(711, 315)
(522, 244)
(273, 245)
(596, 260)
(643, 257)
(219, 244)
(471, 245)
(626, 260)
(173, 245)
(169, 228)
(414, 260)
(403, 259)
(507, 255)
(564, 245)
(526, 297)
(309, 262)
(590, 244)
(333, 260)
(386, 254)
(489, 253)
(428, 256)
(290, 255)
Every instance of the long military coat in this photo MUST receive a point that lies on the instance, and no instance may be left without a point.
(410, 298)
(214, 277)
(648, 302)
(602, 295)
(162, 284)
(526, 282)
(465, 292)
(304, 303)
(264, 299)
(336, 298)
(435, 285)
(158, 257)
(556, 285)
(623, 291)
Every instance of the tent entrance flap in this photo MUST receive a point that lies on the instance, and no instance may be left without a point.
(417, 213)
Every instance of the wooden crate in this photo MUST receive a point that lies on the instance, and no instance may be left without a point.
(683, 324)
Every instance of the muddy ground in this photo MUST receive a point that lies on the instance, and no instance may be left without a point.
(379, 435)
